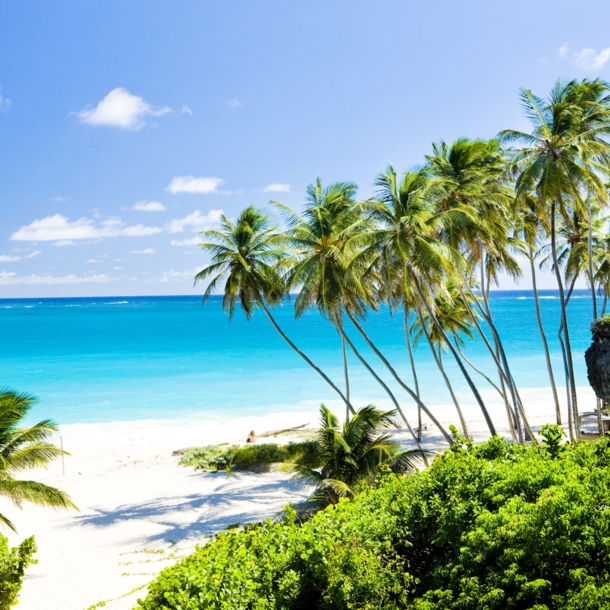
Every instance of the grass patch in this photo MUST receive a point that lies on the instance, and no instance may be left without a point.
(259, 458)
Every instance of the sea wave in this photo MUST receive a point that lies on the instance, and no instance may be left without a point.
(117, 303)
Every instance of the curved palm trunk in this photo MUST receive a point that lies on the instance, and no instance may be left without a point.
(345, 368)
(547, 355)
(509, 413)
(473, 387)
(300, 353)
(439, 364)
(590, 254)
(400, 381)
(412, 361)
(564, 321)
(385, 387)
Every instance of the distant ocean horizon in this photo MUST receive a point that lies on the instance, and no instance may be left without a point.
(104, 359)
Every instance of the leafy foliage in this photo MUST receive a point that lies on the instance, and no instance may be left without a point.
(491, 526)
(250, 457)
(352, 454)
(13, 563)
(22, 449)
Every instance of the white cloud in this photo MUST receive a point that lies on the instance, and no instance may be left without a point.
(192, 241)
(144, 251)
(33, 254)
(186, 110)
(191, 184)
(59, 229)
(149, 206)
(7, 278)
(178, 276)
(195, 221)
(5, 104)
(234, 103)
(5, 258)
(587, 59)
(58, 199)
(64, 242)
(276, 187)
(120, 109)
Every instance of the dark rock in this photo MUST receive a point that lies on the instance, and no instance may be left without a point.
(597, 358)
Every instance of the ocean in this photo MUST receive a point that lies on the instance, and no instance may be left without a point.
(106, 359)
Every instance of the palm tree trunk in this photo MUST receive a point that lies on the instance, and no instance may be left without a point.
(509, 414)
(400, 381)
(385, 387)
(345, 367)
(501, 362)
(439, 364)
(564, 320)
(547, 355)
(473, 387)
(412, 361)
(605, 301)
(300, 353)
(590, 253)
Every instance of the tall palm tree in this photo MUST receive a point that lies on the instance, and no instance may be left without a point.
(353, 454)
(22, 449)
(246, 255)
(561, 158)
(408, 235)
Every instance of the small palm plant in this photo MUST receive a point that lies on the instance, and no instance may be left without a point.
(22, 449)
(351, 454)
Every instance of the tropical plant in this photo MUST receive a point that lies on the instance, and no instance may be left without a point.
(22, 449)
(246, 256)
(560, 160)
(13, 563)
(352, 454)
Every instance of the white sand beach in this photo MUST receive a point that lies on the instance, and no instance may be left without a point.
(140, 510)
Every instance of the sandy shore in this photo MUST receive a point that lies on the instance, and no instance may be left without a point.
(140, 510)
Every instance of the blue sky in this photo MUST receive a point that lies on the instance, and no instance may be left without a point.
(127, 126)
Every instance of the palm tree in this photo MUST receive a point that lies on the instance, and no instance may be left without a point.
(560, 159)
(320, 255)
(246, 255)
(22, 449)
(353, 454)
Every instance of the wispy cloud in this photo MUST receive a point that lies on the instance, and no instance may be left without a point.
(587, 59)
(234, 103)
(5, 103)
(276, 187)
(195, 222)
(10, 278)
(192, 184)
(178, 276)
(120, 109)
(144, 251)
(58, 199)
(149, 206)
(59, 229)
(191, 241)
(186, 110)
(33, 254)
(5, 258)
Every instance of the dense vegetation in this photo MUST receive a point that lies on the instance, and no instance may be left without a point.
(492, 526)
(431, 243)
(13, 563)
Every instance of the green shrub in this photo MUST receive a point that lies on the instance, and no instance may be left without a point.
(13, 563)
(492, 526)
(249, 457)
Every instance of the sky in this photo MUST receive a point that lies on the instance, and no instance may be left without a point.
(127, 127)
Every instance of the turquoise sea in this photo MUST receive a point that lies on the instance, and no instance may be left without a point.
(132, 358)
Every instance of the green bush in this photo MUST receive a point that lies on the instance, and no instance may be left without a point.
(492, 526)
(249, 457)
(13, 563)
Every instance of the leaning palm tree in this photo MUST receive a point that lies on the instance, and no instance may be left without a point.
(353, 454)
(562, 158)
(22, 449)
(246, 256)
